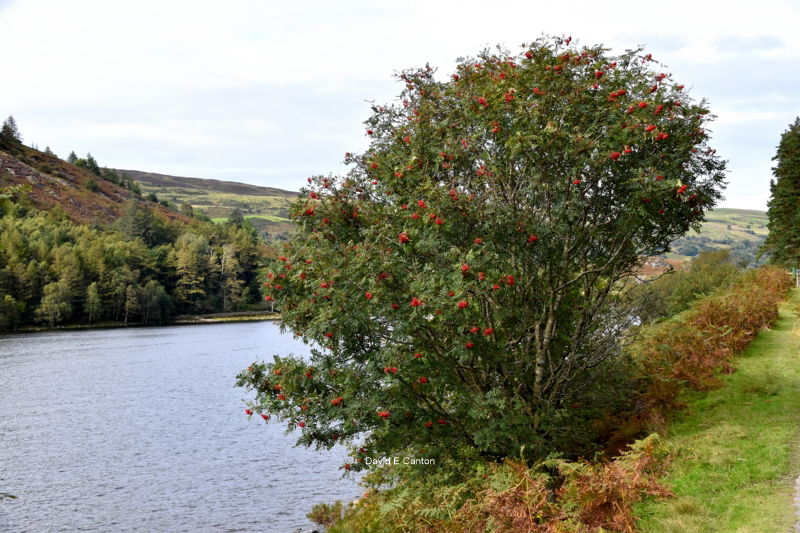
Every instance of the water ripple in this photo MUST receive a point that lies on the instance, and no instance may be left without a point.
(142, 430)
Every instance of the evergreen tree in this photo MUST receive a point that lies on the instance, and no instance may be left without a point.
(230, 278)
(783, 241)
(91, 165)
(72, 158)
(236, 218)
(10, 312)
(113, 176)
(189, 261)
(140, 222)
(10, 138)
(10, 131)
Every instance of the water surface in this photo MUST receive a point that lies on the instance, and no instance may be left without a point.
(142, 429)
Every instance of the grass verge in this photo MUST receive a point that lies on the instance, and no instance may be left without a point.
(734, 448)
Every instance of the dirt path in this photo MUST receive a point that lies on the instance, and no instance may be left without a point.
(797, 504)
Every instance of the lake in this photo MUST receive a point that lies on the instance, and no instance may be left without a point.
(142, 429)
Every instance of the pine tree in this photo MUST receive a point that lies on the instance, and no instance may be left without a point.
(236, 218)
(91, 165)
(10, 132)
(783, 241)
(72, 158)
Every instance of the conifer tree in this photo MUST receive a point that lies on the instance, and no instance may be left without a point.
(10, 132)
(783, 241)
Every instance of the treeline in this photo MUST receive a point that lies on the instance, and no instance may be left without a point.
(141, 269)
(109, 174)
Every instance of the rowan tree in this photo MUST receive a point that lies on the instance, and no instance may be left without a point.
(459, 285)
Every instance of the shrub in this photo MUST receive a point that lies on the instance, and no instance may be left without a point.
(674, 291)
(326, 514)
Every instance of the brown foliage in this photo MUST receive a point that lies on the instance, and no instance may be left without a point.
(593, 496)
(526, 506)
(691, 350)
(605, 492)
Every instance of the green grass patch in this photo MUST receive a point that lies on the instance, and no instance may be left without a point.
(735, 447)
(271, 218)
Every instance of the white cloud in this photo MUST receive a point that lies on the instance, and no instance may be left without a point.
(270, 92)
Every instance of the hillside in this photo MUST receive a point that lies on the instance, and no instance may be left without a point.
(265, 207)
(740, 230)
(52, 182)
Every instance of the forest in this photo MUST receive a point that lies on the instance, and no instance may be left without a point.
(140, 269)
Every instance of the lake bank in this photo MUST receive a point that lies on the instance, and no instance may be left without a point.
(180, 320)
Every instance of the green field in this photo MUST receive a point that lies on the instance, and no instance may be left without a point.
(269, 218)
(740, 230)
(735, 448)
(266, 208)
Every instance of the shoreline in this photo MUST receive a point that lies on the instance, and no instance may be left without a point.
(180, 320)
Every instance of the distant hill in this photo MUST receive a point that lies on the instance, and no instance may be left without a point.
(740, 230)
(267, 208)
(51, 182)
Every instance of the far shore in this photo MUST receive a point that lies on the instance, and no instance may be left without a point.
(180, 320)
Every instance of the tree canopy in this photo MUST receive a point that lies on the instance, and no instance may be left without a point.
(143, 268)
(459, 285)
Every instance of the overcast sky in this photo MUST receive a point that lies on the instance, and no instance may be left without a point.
(269, 92)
